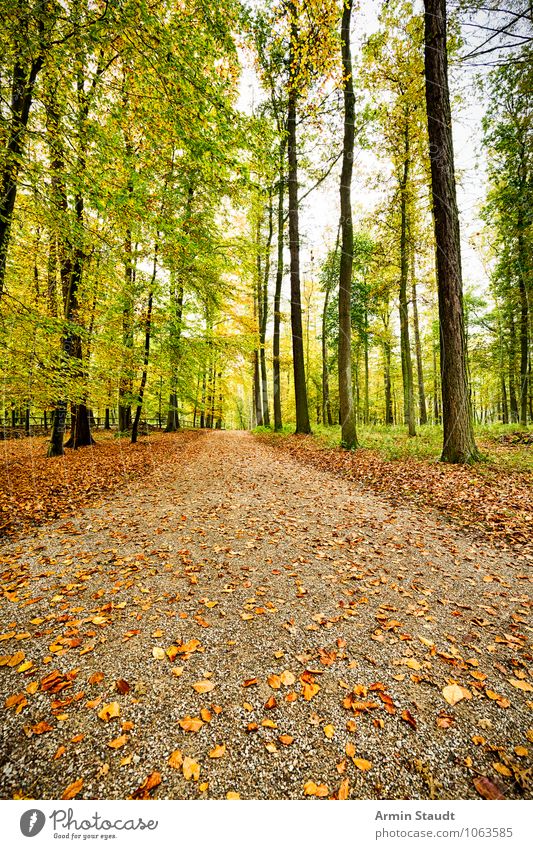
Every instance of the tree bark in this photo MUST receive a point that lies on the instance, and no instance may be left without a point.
(326, 403)
(458, 443)
(300, 388)
(278, 422)
(405, 342)
(347, 410)
(418, 348)
(146, 358)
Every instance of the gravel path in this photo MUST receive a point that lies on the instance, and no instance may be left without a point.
(344, 616)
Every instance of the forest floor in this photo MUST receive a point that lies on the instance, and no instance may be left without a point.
(236, 620)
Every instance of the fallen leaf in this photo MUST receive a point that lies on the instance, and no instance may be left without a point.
(176, 759)
(203, 686)
(191, 723)
(362, 764)
(190, 769)
(486, 788)
(218, 751)
(73, 789)
(110, 711)
(329, 731)
(118, 742)
(453, 693)
(312, 789)
(521, 685)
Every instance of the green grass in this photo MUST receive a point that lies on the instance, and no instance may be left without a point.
(393, 443)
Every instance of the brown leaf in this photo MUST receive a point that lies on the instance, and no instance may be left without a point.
(486, 788)
(408, 717)
(122, 686)
(143, 792)
(271, 703)
(42, 727)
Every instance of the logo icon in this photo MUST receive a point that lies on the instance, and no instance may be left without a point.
(32, 822)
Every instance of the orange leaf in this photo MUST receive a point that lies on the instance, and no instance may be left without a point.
(73, 789)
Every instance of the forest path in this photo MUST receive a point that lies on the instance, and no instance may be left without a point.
(328, 621)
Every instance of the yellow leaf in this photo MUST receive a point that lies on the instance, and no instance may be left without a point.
(274, 681)
(190, 769)
(158, 653)
(191, 723)
(502, 769)
(362, 764)
(231, 794)
(203, 686)
(118, 742)
(453, 693)
(176, 759)
(110, 711)
(350, 750)
(309, 690)
(521, 751)
(218, 751)
(344, 790)
(329, 731)
(521, 685)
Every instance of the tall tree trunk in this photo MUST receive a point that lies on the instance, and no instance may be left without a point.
(512, 355)
(300, 388)
(278, 422)
(347, 410)
(22, 89)
(405, 343)
(146, 357)
(389, 417)
(326, 403)
(459, 445)
(125, 379)
(524, 319)
(263, 300)
(173, 422)
(418, 347)
(366, 408)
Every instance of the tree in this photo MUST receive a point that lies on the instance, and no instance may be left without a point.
(458, 438)
(347, 411)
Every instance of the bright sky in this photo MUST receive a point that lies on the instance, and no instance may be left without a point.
(320, 211)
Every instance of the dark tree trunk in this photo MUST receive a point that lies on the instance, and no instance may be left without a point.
(146, 358)
(278, 423)
(107, 425)
(418, 348)
(263, 316)
(173, 422)
(524, 320)
(459, 445)
(405, 343)
(326, 404)
(389, 417)
(22, 88)
(258, 407)
(512, 385)
(347, 410)
(300, 388)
